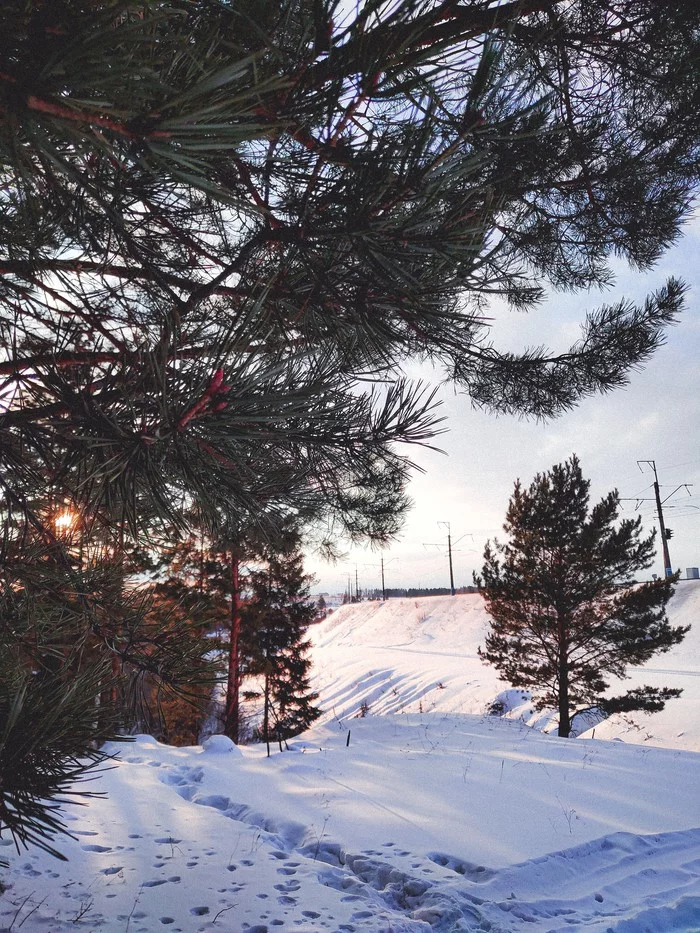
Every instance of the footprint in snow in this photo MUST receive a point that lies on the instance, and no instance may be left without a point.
(476, 873)
(288, 887)
(199, 911)
(114, 870)
(182, 775)
(96, 848)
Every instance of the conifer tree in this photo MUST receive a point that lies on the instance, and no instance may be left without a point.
(217, 217)
(204, 576)
(187, 597)
(565, 612)
(77, 643)
(275, 617)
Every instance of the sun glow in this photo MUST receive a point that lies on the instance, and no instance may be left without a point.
(65, 520)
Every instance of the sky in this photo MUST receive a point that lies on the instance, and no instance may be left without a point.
(656, 417)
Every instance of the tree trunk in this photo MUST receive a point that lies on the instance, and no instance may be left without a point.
(564, 717)
(231, 722)
(266, 713)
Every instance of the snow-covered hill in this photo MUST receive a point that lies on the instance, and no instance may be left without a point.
(407, 809)
(420, 655)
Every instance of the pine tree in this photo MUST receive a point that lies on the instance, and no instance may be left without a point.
(204, 576)
(188, 597)
(565, 614)
(78, 642)
(218, 217)
(275, 616)
(54, 617)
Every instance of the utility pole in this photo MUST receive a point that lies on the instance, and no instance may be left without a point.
(665, 532)
(449, 552)
(357, 586)
(381, 564)
(668, 570)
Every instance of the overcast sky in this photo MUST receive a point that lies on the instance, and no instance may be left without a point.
(656, 417)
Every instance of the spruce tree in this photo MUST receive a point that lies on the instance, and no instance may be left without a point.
(275, 616)
(565, 612)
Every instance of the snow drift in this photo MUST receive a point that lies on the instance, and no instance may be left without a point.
(409, 809)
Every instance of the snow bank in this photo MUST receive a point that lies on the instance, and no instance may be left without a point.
(421, 655)
(444, 823)
(438, 816)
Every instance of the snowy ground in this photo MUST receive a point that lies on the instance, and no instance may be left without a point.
(431, 819)
(420, 655)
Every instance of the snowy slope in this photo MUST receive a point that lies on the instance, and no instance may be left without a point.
(412, 818)
(413, 655)
(442, 823)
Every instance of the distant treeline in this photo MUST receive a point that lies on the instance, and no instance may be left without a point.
(417, 591)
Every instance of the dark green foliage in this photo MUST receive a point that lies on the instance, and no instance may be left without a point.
(82, 653)
(217, 216)
(564, 615)
(192, 593)
(224, 228)
(274, 619)
(47, 747)
(50, 676)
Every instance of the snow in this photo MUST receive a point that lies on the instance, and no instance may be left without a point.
(420, 655)
(437, 816)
